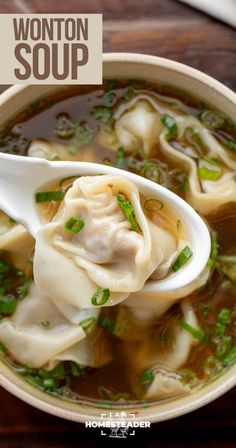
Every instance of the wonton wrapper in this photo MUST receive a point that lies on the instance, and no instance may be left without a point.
(34, 345)
(139, 128)
(106, 253)
(17, 242)
(204, 195)
(162, 362)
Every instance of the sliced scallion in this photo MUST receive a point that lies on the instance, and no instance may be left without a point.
(47, 196)
(102, 113)
(153, 205)
(209, 170)
(88, 323)
(171, 125)
(183, 257)
(105, 293)
(128, 210)
(211, 120)
(106, 323)
(147, 376)
(7, 304)
(214, 249)
(230, 358)
(231, 144)
(120, 158)
(74, 224)
(196, 333)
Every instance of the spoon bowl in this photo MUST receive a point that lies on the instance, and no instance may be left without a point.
(21, 177)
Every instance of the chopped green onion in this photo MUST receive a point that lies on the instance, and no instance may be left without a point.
(88, 323)
(84, 135)
(223, 344)
(209, 170)
(49, 383)
(231, 144)
(214, 249)
(3, 348)
(109, 136)
(103, 114)
(109, 98)
(7, 304)
(189, 377)
(23, 290)
(65, 127)
(196, 333)
(47, 196)
(212, 366)
(120, 158)
(128, 210)
(147, 376)
(74, 224)
(171, 125)
(105, 297)
(105, 322)
(76, 369)
(212, 120)
(151, 171)
(227, 265)
(128, 93)
(153, 205)
(183, 257)
(230, 358)
(223, 320)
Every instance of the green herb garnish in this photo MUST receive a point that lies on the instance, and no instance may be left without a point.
(102, 113)
(183, 257)
(106, 323)
(171, 125)
(230, 358)
(230, 143)
(45, 323)
(151, 171)
(88, 323)
(23, 290)
(153, 205)
(47, 196)
(120, 158)
(209, 170)
(198, 334)
(105, 297)
(147, 376)
(7, 304)
(214, 249)
(74, 224)
(65, 128)
(211, 120)
(128, 210)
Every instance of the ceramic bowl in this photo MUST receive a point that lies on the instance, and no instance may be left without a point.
(154, 69)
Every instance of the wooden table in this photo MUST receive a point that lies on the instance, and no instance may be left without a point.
(169, 29)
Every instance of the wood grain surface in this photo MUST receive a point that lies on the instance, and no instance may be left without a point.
(170, 29)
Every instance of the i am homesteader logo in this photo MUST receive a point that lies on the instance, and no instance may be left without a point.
(117, 424)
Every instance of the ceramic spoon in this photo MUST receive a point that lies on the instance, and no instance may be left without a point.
(21, 177)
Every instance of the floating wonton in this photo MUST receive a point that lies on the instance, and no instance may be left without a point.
(139, 128)
(162, 362)
(17, 241)
(106, 253)
(38, 335)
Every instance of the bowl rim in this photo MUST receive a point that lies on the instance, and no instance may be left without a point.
(181, 405)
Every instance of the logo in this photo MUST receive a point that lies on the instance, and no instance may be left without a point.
(118, 425)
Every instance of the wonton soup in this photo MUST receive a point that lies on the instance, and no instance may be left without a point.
(74, 319)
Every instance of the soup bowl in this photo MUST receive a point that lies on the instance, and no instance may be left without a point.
(152, 69)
